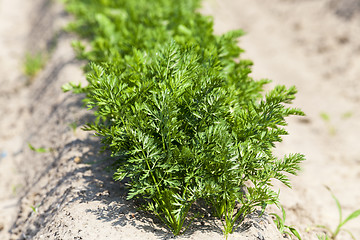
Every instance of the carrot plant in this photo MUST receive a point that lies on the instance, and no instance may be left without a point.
(182, 118)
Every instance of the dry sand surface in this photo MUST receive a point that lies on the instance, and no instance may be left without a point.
(67, 192)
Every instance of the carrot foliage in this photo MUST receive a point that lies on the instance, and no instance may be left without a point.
(182, 117)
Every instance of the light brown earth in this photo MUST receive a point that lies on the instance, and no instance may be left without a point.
(66, 193)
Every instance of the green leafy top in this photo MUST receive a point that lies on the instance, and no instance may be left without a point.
(183, 119)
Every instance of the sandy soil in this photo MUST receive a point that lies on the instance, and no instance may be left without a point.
(65, 193)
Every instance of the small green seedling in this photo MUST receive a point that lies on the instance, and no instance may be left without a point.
(326, 119)
(35, 208)
(331, 235)
(347, 115)
(38, 150)
(73, 126)
(284, 229)
(15, 189)
(33, 64)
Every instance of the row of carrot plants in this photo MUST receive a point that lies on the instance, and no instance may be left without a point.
(175, 105)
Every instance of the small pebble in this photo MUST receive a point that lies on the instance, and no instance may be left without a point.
(77, 160)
